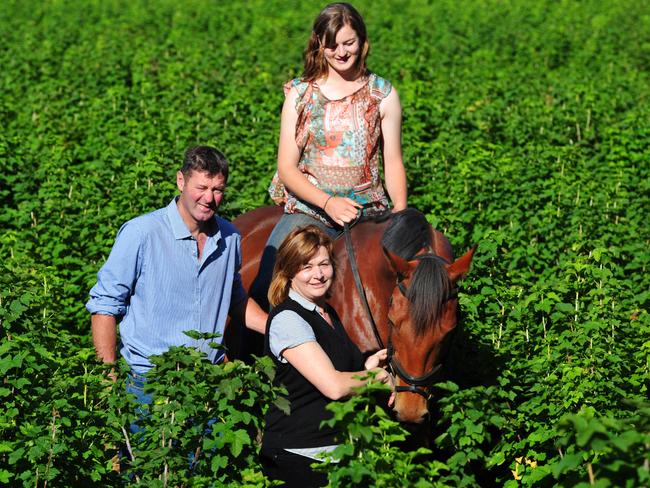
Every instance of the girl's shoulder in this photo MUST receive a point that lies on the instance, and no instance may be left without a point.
(297, 83)
(380, 87)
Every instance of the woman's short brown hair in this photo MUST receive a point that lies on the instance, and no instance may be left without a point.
(295, 251)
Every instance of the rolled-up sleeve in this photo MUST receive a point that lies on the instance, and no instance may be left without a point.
(116, 279)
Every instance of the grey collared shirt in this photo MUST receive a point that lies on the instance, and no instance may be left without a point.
(288, 329)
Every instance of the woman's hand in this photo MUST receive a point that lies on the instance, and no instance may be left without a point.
(391, 400)
(382, 375)
(387, 379)
(376, 359)
(341, 209)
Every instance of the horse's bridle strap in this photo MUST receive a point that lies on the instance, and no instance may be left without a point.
(416, 384)
(357, 282)
(413, 389)
(424, 380)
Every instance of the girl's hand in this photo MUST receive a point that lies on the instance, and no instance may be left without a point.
(341, 209)
(376, 359)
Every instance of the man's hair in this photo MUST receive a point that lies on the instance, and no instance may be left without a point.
(205, 158)
(295, 251)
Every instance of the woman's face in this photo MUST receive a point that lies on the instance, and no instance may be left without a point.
(314, 278)
(343, 55)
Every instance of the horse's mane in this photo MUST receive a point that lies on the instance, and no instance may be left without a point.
(407, 233)
(427, 294)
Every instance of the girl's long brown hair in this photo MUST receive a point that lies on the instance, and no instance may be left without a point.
(295, 251)
(330, 20)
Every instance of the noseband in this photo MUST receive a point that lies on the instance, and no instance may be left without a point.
(416, 384)
(420, 385)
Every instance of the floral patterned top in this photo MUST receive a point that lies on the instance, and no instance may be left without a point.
(339, 142)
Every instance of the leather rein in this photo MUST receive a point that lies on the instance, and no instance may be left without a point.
(420, 385)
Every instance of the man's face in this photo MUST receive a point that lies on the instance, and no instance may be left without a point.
(200, 196)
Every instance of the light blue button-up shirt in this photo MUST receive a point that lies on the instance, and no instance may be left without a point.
(154, 281)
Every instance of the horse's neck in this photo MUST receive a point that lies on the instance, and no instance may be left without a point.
(441, 245)
(375, 277)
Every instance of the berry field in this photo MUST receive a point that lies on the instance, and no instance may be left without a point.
(526, 130)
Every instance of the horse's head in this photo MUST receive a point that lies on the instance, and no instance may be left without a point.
(422, 311)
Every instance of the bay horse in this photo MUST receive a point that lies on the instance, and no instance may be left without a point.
(408, 277)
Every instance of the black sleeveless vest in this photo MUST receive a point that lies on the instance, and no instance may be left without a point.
(301, 428)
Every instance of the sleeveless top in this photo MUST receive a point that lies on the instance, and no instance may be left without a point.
(339, 142)
(301, 427)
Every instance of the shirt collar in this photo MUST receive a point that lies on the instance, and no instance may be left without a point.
(179, 228)
(302, 301)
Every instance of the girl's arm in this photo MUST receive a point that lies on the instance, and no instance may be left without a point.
(338, 208)
(391, 131)
(312, 362)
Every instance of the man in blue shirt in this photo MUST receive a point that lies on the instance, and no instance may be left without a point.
(173, 270)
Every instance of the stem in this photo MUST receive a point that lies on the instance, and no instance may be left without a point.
(51, 453)
(197, 453)
(592, 478)
(85, 386)
(527, 337)
(128, 443)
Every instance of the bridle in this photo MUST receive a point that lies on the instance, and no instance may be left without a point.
(420, 385)
(416, 384)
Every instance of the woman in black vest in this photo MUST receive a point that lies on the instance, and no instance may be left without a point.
(316, 360)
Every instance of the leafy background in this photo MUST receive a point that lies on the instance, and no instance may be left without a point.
(526, 130)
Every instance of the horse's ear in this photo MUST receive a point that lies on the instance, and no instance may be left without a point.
(460, 267)
(399, 265)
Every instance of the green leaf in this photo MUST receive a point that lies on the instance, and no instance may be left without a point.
(567, 463)
(5, 476)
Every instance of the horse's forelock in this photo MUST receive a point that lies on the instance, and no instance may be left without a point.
(428, 291)
(407, 233)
